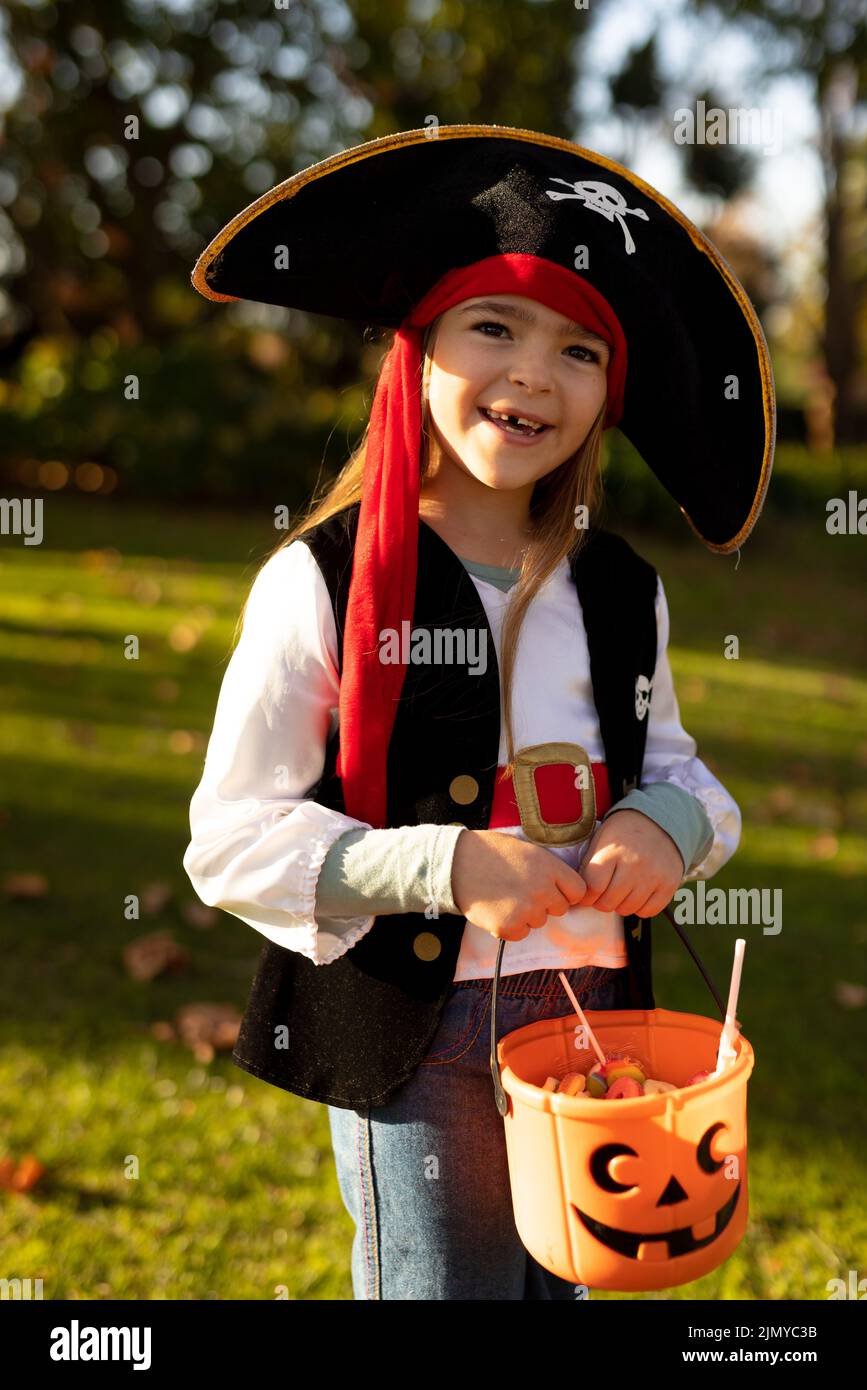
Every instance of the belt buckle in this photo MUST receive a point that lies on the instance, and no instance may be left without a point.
(533, 823)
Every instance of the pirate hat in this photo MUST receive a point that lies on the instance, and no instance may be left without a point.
(396, 231)
(366, 232)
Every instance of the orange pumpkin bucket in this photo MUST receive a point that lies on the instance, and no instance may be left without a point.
(627, 1194)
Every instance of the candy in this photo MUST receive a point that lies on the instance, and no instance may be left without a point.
(618, 1078)
(697, 1077)
(652, 1087)
(624, 1088)
(596, 1084)
(615, 1070)
(572, 1084)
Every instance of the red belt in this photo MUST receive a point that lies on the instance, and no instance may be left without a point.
(560, 801)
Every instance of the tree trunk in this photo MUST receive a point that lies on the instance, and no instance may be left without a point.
(836, 99)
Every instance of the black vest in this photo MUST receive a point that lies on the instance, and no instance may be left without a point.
(358, 1028)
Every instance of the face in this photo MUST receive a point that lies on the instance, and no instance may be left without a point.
(652, 1200)
(512, 355)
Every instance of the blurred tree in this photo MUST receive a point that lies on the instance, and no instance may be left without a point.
(139, 129)
(721, 173)
(133, 130)
(637, 93)
(826, 41)
(722, 170)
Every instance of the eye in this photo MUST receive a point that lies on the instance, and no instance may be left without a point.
(703, 1154)
(576, 347)
(489, 323)
(599, 1167)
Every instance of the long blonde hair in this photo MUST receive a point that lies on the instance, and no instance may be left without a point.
(554, 534)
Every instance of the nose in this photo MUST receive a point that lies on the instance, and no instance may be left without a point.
(531, 370)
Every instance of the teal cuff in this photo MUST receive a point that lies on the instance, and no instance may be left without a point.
(678, 813)
(402, 869)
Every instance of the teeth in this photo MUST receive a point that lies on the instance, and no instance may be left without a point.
(521, 419)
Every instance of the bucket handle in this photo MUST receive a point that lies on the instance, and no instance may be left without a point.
(500, 1097)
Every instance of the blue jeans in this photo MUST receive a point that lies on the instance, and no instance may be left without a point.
(425, 1177)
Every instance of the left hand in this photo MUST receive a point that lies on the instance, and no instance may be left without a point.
(631, 866)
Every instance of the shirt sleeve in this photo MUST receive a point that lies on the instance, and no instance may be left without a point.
(408, 869)
(257, 842)
(706, 841)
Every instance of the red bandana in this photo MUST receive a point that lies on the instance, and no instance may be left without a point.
(382, 589)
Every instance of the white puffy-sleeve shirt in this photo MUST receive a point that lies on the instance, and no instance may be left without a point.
(257, 843)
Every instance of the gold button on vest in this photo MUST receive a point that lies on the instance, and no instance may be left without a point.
(464, 789)
(427, 946)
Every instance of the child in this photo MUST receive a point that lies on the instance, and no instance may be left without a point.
(394, 782)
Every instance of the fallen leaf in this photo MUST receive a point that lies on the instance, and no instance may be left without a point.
(781, 799)
(25, 885)
(199, 915)
(28, 1173)
(850, 996)
(825, 846)
(79, 732)
(22, 1178)
(157, 954)
(207, 1028)
(837, 688)
(167, 691)
(155, 896)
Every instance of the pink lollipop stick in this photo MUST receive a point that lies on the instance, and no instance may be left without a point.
(580, 1012)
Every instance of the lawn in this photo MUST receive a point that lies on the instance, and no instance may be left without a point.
(168, 1177)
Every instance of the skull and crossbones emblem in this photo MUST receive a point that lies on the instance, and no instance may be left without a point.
(642, 695)
(601, 197)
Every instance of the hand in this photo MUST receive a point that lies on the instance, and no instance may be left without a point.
(508, 886)
(631, 866)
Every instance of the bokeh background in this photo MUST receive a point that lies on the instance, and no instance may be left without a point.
(135, 1160)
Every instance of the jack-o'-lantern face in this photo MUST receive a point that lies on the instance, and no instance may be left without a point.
(638, 1196)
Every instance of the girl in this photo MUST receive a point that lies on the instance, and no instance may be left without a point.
(379, 688)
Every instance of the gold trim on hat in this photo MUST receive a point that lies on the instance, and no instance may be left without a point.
(289, 187)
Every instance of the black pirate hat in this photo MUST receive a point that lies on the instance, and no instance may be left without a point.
(364, 234)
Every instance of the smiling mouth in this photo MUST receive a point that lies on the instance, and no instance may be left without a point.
(510, 425)
(651, 1247)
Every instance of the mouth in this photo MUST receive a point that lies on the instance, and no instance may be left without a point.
(511, 426)
(667, 1245)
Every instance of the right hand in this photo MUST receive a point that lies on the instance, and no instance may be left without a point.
(508, 886)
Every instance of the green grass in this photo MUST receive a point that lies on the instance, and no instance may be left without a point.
(236, 1194)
